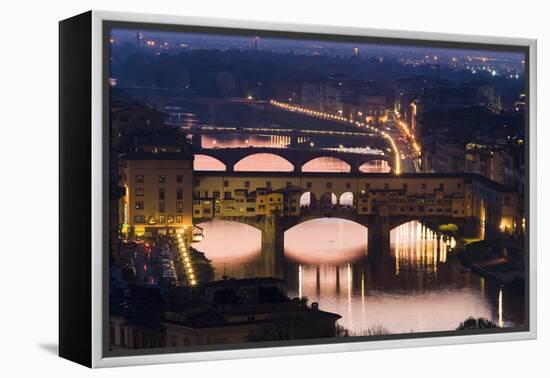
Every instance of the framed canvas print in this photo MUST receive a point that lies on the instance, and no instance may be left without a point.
(233, 189)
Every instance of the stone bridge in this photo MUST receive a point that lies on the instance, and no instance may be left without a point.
(273, 228)
(375, 140)
(296, 157)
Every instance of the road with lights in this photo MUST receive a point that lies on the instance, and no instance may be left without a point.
(410, 147)
(339, 118)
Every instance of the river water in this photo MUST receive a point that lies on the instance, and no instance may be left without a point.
(418, 287)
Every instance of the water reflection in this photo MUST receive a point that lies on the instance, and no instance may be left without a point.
(326, 241)
(264, 163)
(326, 164)
(232, 247)
(240, 141)
(415, 246)
(375, 166)
(207, 163)
(419, 286)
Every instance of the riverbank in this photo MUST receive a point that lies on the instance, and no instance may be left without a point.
(498, 260)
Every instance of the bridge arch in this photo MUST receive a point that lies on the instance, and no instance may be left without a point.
(328, 199)
(205, 162)
(375, 166)
(308, 200)
(264, 162)
(223, 243)
(326, 240)
(326, 164)
(346, 199)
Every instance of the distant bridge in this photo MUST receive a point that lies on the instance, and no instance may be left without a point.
(175, 97)
(296, 157)
(305, 133)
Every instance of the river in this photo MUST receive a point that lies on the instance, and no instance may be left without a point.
(419, 287)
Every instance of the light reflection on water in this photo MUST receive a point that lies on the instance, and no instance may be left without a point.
(240, 141)
(326, 164)
(324, 241)
(264, 163)
(418, 287)
(375, 166)
(207, 163)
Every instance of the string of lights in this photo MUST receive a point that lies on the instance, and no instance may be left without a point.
(340, 118)
(187, 263)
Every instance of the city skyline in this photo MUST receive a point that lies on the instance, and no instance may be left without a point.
(181, 41)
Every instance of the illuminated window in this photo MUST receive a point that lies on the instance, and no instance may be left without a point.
(179, 219)
(170, 219)
(162, 219)
(139, 179)
(140, 205)
(139, 219)
(179, 207)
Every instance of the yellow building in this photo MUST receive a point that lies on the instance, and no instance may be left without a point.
(158, 193)
(239, 203)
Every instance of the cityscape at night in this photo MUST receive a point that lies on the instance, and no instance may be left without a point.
(269, 188)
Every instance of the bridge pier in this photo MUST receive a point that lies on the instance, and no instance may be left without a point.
(379, 237)
(293, 141)
(197, 140)
(273, 240)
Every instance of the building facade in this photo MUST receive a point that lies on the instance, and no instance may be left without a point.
(158, 193)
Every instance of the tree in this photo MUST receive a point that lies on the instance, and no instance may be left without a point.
(450, 228)
(473, 323)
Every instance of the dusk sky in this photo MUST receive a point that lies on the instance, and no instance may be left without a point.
(283, 45)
